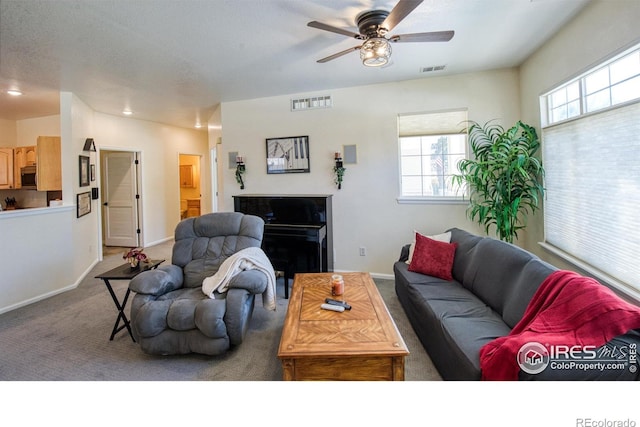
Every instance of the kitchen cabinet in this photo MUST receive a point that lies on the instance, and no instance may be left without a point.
(186, 176)
(6, 169)
(22, 156)
(48, 163)
(193, 207)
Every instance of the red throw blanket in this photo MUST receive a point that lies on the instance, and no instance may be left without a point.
(568, 309)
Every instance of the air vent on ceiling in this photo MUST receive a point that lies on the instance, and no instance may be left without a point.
(432, 68)
(311, 103)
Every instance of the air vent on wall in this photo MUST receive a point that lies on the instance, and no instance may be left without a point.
(311, 103)
(432, 68)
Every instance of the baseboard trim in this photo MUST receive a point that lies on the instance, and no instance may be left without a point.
(37, 298)
(384, 276)
(157, 242)
(50, 293)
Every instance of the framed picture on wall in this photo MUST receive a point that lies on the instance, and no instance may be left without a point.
(83, 201)
(288, 154)
(84, 171)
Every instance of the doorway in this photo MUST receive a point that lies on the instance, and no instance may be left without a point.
(121, 218)
(190, 185)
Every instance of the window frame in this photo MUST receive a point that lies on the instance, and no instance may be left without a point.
(547, 106)
(631, 289)
(462, 196)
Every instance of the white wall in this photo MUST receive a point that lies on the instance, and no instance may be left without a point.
(52, 249)
(160, 147)
(597, 33)
(30, 129)
(77, 123)
(8, 133)
(215, 138)
(48, 251)
(366, 212)
(36, 255)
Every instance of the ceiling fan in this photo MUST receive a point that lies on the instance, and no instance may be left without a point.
(373, 26)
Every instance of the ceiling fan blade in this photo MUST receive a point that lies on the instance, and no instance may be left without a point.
(338, 55)
(434, 36)
(321, 26)
(399, 12)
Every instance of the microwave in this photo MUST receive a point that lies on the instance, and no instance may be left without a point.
(28, 178)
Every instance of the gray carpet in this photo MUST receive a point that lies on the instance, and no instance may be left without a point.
(66, 338)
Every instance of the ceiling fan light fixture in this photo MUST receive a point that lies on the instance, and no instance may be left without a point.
(375, 52)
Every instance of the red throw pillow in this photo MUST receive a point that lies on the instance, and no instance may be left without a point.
(433, 258)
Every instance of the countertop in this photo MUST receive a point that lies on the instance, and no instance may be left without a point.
(26, 211)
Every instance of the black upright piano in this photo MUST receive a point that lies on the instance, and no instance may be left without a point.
(298, 230)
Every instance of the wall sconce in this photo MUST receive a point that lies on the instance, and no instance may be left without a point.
(338, 169)
(240, 169)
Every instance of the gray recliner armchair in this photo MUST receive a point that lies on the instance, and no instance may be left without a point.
(170, 313)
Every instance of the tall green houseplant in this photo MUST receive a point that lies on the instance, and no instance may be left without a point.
(504, 177)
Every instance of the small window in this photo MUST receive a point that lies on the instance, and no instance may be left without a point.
(429, 162)
(565, 102)
(616, 82)
(431, 145)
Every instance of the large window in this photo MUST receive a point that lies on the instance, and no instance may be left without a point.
(592, 162)
(431, 145)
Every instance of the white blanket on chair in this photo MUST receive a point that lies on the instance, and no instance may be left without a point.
(245, 259)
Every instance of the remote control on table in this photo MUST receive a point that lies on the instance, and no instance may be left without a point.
(332, 307)
(338, 303)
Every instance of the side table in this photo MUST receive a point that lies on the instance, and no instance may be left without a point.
(124, 272)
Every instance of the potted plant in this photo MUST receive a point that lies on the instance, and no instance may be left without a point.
(134, 257)
(504, 177)
(338, 169)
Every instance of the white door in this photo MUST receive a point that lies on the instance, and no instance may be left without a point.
(6, 168)
(120, 199)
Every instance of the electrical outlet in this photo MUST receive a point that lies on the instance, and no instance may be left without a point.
(363, 251)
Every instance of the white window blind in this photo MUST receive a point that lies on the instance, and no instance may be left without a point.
(438, 123)
(593, 191)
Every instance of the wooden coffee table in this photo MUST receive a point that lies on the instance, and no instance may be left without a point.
(358, 344)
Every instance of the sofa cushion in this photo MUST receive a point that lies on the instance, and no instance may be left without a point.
(466, 334)
(151, 318)
(451, 322)
(181, 313)
(209, 318)
(523, 285)
(466, 243)
(443, 237)
(432, 257)
(501, 274)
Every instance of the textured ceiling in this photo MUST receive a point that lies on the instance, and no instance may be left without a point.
(174, 61)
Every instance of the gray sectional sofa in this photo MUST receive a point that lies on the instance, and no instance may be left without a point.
(493, 284)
